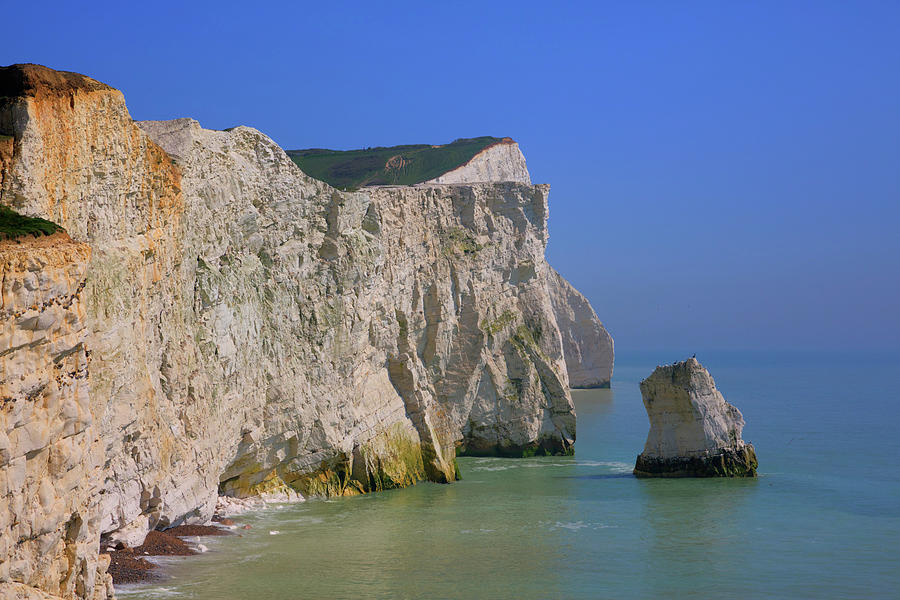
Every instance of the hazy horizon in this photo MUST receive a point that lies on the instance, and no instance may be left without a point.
(723, 176)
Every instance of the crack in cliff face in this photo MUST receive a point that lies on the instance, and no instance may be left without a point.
(404, 376)
(254, 331)
(417, 409)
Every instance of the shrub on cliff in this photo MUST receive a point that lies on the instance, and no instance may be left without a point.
(13, 225)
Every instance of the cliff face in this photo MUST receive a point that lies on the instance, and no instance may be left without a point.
(253, 330)
(80, 161)
(499, 162)
(50, 454)
(587, 346)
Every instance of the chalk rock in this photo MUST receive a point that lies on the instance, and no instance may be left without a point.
(694, 432)
(50, 455)
(587, 346)
(502, 161)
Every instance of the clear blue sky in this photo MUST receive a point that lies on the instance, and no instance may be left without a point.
(725, 174)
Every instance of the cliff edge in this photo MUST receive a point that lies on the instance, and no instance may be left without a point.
(502, 161)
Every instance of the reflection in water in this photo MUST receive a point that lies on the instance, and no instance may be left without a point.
(691, 527)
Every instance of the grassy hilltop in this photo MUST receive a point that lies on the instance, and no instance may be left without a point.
(396, 165)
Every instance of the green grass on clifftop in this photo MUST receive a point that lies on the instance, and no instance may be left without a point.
(396, 165)
(13, 225)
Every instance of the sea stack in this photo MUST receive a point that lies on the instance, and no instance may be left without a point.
(694, 432)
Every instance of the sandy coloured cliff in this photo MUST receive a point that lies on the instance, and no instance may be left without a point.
(252, 330)
(50, 453)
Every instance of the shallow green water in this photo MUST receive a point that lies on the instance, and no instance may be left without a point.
(822, 520)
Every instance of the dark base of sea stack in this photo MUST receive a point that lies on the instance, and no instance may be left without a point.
(729, 463)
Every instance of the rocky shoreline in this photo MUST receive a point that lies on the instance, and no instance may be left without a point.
(129, 565)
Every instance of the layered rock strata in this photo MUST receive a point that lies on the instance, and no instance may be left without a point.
(254, 331)
(502, 161)
(694, 432)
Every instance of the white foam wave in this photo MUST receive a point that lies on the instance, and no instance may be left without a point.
(576, 525)
(518, 464)
(303, 521)
(250, 558)
(153, 591)
(618, 467)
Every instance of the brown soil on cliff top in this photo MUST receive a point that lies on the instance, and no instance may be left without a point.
(33, 80)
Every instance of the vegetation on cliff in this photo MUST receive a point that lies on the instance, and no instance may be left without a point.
(13, 225)
(394, 165)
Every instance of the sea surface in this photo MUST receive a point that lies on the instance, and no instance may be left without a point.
(821, 521)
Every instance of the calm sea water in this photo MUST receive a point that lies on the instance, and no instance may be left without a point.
(821, 521)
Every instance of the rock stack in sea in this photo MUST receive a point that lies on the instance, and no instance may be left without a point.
(694, 432)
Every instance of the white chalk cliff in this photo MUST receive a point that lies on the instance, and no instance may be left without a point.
(587, 346)
(502, 161)
(225, 324)
(694, 432)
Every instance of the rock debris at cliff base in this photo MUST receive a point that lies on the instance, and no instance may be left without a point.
(131, 565)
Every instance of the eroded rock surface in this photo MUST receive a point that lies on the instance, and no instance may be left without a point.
(694, 432)
(254, 331)
(50, 453)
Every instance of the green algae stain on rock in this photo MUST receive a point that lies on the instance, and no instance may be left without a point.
(494, 326)
(741, 462)
(241, 487)
(460, 242)
(393, 459)
(332, 478)
(544, 446)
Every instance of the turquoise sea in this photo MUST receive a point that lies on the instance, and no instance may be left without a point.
(821, 521)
